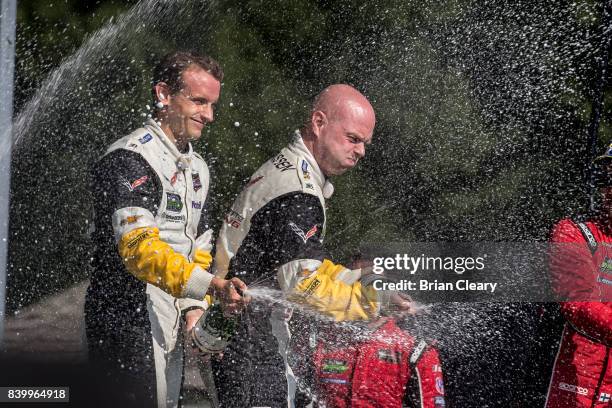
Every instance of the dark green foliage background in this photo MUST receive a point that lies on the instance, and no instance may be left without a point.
(482, 113)
(481, 131)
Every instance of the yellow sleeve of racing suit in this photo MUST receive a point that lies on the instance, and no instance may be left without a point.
(204, 259)
(321, 290)
(152, 260)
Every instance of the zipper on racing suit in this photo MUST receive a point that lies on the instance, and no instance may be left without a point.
(176, 302)
(191, 241)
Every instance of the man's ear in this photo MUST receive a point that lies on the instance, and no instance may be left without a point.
(317, 121)
(162, 92)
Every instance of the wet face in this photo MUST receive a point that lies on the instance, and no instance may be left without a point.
(191, 108)
(343, 134)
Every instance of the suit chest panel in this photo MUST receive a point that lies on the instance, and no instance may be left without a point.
(180, 207)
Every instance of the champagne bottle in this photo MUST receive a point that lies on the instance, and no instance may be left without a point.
(214, 330)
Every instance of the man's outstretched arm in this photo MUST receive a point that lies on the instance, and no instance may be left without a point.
(132, 191)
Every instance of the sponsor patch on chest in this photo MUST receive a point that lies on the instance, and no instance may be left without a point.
(389, 356)
(333, 366)
(173, 202)
(197, 183)
(606, 266)
(604, 280)
(174, 218)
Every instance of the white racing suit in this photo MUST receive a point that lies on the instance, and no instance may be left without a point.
(151, 258)
(272, 237)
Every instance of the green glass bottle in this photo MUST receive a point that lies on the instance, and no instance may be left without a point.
(214, 330)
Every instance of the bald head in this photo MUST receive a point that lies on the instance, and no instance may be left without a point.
(340, 125)
(335, 100)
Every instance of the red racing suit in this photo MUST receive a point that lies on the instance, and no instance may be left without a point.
(378, 371)
(581, 269)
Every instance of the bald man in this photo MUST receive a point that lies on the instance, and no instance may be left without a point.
(272, 237)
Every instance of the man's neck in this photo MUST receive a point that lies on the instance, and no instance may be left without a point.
(182, 147)
(308, 140)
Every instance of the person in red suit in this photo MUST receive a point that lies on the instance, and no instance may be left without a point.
(581, 269)
(381, 366)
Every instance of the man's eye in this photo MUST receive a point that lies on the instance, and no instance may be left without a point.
(199, 102)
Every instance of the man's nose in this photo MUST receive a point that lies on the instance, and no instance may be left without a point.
(207, 113)
(360, 150)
